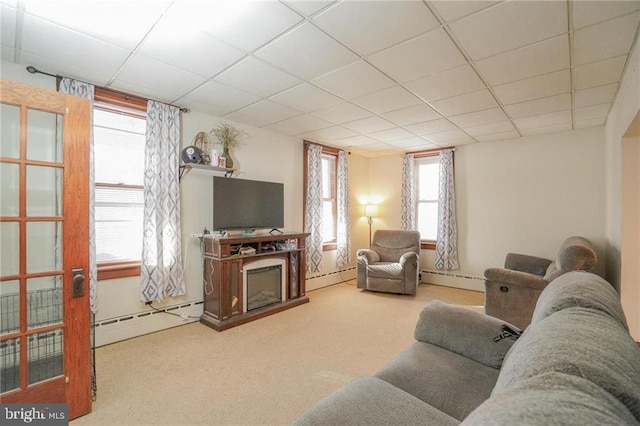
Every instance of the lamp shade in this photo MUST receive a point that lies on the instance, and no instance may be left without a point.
(370, 210)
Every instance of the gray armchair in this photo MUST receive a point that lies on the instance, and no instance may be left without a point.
(511, 292)
(391, 264)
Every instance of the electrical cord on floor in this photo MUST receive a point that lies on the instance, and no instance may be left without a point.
(183, 316)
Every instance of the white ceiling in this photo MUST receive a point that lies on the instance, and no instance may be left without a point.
(376, 77)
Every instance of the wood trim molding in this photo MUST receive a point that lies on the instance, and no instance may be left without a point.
(118, 270)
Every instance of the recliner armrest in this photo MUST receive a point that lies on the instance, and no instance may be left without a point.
(408, 257)
(515, 278)
(525, 263)
(367, 256)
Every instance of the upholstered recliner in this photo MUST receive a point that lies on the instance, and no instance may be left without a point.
(391, 264)
(511, 292)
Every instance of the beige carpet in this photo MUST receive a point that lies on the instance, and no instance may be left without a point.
(264, 372)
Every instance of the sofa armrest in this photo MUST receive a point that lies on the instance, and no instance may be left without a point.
(465, 332)
(367, 256)
(525, 263)
(515, 278)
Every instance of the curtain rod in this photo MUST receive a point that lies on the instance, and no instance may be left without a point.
(308, 142)
(34, 70)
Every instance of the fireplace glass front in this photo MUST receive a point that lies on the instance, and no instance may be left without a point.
(264, 286)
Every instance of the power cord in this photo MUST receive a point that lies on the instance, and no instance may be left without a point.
(183, 316)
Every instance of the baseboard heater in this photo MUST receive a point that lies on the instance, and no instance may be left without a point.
(129, 317)
(328, 274)
(451, 275)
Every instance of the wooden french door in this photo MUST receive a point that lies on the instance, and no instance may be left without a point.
(44, 246)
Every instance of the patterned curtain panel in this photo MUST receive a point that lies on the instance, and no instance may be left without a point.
(344, 212)
(161, 269)
(447, 243)
(408, 207)
(86, 90)
(313, 208)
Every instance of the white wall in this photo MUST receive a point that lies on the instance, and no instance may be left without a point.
(524, 195)
(625, 109)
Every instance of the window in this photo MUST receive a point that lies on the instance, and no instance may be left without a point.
(119, 143)
(329, 196)
(427, 183)
(329, 199)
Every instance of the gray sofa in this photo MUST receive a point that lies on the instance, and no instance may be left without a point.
(576, 364)
(511, 292)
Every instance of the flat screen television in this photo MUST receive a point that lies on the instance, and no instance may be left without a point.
(247, 204)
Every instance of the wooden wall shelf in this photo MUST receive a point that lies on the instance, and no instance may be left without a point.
(185, 168)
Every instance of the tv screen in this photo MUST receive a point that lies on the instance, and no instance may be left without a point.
(247, 204)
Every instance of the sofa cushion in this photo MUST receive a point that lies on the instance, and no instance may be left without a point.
(579, 289)
(464, 332)
(389, 270)
(581, 342)
(450, 382)
(371, 401)
(552, 399)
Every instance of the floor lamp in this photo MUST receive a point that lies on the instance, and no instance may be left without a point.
(370, 211)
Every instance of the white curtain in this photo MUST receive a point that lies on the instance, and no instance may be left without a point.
(446, 244)
(408, 206)
(86, 90)
(313, 208)
(343, 255)
(161, 269)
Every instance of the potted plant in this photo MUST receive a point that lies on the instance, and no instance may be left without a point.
(229, 137)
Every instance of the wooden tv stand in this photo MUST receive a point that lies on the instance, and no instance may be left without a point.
(223, 276)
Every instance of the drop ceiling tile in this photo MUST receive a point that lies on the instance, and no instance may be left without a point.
(452, 137)
(254, 76)
(368, 125)
(452, 10)
(605, 40)
(387, 100)
(302, 124)
(329, 134)
(500, 127)
(359, 140)
(544, 120)
(540, 58)
(593, 122)
(424, 55)
(341, 113)
(510, 25)
(306, 97)
(98, 18)
(596, 95)
(540, 106)
(368, 27)
(70, 47)
(161, 44)
(497, 136)
(263, 113)
(243, 24)
(98, 76)
(590, 12)
(413, 143)
(8, 26)
(223, 98)
(411, 115)
(479, 117)
(429, 127)
(308, 7)
(592, 112)
(557, 128)
(600, 73)
(469, 102)
(534, 88)
(389, 135)
(446, 84)
(138, 68)
(306, 52)
(353, 80)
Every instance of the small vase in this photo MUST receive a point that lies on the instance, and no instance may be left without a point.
(227, 157)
